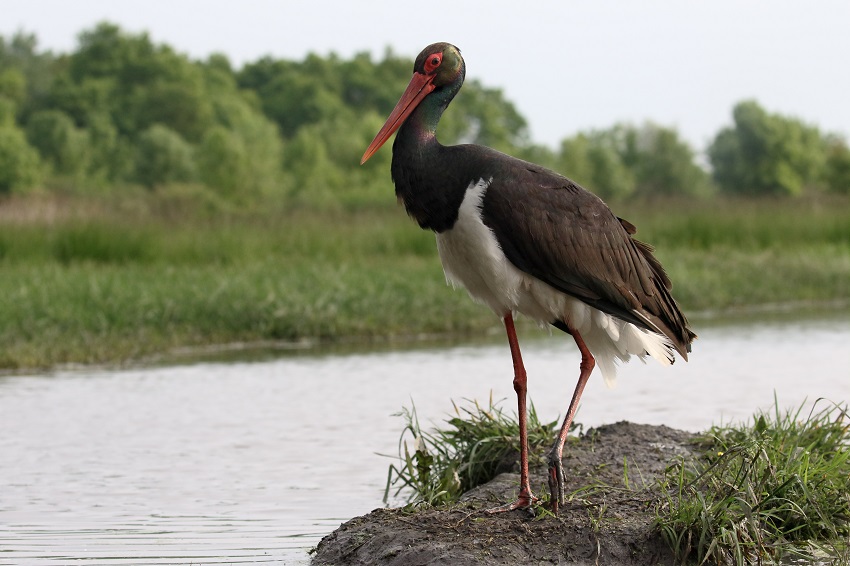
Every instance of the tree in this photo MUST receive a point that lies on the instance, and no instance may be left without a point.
(837, 168)
(766, 153)
(625, 160)
(255, 137)
(592, 161)
(221, 159)
(162, 156)
(13, 85)
(662, 164)
(37, 69)
(294, 95)
(59, 142)
(19, 163)
(110, 155)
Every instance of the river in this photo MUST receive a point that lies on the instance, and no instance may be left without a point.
(254, 460)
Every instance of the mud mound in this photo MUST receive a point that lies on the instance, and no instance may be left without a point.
(600, 526)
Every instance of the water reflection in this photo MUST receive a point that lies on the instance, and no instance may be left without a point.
(253, 461)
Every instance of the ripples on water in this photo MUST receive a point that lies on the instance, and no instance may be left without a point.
(252, 462)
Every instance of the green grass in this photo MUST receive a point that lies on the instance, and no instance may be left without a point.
(750, 493)
(779, 485)
(95, 280)
(439, 466)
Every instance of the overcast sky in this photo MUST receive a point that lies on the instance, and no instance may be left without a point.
(568, 66)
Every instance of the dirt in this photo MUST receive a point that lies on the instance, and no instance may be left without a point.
(608, 525)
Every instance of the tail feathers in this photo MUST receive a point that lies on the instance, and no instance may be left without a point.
(612, 340)
(618, 341)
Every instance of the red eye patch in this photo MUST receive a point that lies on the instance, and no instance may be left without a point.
(433, 61)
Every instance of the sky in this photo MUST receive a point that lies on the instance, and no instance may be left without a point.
(568, 66)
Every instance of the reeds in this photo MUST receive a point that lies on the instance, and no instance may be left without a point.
(90, 279)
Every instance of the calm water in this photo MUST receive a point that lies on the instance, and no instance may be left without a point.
(253, 462)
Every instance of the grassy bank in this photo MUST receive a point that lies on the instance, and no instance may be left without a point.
(87, 280)
(777, 485)
(748, 493)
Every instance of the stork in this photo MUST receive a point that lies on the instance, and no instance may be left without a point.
(523, 239)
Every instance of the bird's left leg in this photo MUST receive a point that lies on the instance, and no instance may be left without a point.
(556, 466)
(525, 498)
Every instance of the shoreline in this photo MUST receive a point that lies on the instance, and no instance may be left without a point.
(604, 520)
(259, 349)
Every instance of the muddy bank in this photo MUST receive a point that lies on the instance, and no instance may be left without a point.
(599, 526)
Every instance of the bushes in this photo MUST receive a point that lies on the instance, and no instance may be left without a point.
(121, 109)
(766, 154)
(163, 157)
(20, 167)
(62, 145)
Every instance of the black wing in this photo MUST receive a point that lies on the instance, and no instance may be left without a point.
(553, 229)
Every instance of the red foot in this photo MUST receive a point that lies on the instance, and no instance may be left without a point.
(525, 501)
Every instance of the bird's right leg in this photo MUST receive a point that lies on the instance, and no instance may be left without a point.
(556, 466)
(525, 498)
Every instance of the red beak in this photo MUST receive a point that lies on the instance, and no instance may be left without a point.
(420, 86)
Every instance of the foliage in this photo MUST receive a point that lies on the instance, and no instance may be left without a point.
(12, 85)
(21, 62)
(765, 153)
(777, 485)
(20, 166)
(478, 444)
(594, 162)
(186, 267)
(632, 161)
(294, 130)
(837, 171)
(163, 157)
(99, 115)
(59, 142)
(661, 162)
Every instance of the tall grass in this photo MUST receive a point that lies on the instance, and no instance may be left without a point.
(478, 443)
(778, 485)
(750, 493)
(86, 279)
(741, 224)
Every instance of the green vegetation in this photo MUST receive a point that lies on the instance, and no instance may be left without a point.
(122, 111)
(478, 444)
(150, 202)
(779, 485)
(98, 279)
(749, 493)
(770, 154)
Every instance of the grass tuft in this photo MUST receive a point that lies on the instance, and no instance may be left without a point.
(778, 485)
(437, 467)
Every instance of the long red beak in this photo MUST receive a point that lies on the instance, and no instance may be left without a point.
(420, 86)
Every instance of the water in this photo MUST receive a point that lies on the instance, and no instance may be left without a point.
(253, 462)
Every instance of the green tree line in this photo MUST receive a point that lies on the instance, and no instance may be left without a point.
(122, 111)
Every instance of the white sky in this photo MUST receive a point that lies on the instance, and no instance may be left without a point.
(568, 66)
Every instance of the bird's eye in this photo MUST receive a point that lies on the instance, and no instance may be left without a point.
(433, 62)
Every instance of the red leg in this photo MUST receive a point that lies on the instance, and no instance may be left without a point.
(556, 467)
(525, 498)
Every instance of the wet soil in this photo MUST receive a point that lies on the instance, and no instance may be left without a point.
(598, 525)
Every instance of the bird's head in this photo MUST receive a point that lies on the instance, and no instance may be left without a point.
(439, 65)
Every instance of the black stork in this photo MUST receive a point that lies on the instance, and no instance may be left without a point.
(523, 239)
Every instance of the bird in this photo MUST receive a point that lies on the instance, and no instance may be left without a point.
(522, 239)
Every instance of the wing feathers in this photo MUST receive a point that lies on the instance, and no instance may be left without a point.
(556, 231)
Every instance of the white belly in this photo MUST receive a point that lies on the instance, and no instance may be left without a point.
(472, 258)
